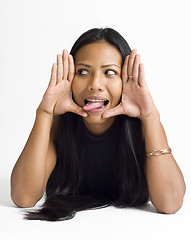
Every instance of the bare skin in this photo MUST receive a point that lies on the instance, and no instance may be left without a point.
(38, 158)
(98, 73)
(36, 162)
(165, 180)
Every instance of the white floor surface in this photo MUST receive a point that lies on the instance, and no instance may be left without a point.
(107, 223)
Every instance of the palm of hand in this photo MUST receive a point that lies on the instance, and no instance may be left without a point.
(136, 100)
(58, 97)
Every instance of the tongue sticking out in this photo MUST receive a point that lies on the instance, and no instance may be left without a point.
(93, 105)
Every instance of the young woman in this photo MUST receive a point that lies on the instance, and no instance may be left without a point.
(97, 139)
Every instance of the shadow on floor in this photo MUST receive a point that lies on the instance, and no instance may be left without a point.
(148, 207)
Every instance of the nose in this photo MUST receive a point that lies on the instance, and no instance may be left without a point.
(96, 83)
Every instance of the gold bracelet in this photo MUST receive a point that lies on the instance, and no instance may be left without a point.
(160, 152)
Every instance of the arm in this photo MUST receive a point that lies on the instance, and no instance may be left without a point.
(165, 180)
(38, 158)
(32, 169)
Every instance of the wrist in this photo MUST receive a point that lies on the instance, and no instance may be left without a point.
(40, 111)
(151, 121)
(154, 116)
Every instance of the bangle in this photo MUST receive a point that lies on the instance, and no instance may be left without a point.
(160, 152)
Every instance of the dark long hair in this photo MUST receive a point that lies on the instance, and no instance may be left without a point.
(63, 198)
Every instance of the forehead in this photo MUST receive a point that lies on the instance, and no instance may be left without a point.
(98, 53)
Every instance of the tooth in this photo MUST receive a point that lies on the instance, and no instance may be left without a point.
(95, 100)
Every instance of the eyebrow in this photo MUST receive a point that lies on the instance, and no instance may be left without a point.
(103, 66)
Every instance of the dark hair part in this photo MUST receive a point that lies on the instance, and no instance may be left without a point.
(63, 197)
(99, 34)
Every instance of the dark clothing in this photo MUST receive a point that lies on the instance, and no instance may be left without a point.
(100, 161)
(110, 167)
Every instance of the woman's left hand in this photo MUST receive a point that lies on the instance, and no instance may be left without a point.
(136, 100)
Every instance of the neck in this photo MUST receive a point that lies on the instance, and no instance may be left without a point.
(98, 129)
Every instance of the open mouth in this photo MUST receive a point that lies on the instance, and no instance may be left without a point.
(95, 104)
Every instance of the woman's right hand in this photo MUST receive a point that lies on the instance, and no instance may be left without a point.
(58, 96)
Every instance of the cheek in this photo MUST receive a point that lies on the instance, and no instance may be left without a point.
(117, 91)
(77, 89)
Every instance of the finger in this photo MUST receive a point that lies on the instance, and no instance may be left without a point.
(113, 112)
(53, 75)
(78, 110)
(65, 64)
(59, 68)
(136, 68)
(141, 76)
(124, 70)
(131, 62)
(71, 68)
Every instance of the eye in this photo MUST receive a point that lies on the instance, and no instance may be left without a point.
(83, 72)
(110, 72)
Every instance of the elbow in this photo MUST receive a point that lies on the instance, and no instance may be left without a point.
(169, 209)
(170, 205)
(22, 201)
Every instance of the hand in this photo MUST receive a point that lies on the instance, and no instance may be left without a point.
(136, 100)
(58, 96)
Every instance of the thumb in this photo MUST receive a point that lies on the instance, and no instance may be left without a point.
(78, 110)
(118, 110)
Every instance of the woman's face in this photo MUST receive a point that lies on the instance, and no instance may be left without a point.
(97, 79)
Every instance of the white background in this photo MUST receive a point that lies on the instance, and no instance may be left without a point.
(32, 33)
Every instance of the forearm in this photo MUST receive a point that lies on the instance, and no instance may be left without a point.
(28, 175)
(165, 180)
